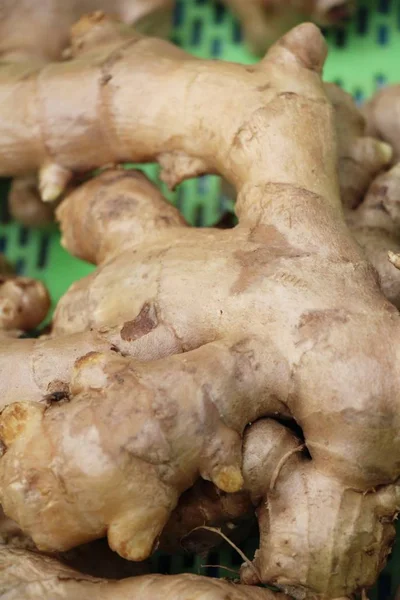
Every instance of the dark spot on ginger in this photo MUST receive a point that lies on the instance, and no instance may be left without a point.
(105, 79)
(319, 317)
(3, 448)
(143, 324)
(56, 397)
(380, 190)
(254, 263)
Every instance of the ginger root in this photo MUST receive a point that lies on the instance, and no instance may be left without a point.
(33, 576)
(264, 21)
(135, 396)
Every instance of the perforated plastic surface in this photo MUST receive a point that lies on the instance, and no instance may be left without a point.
(363, 56)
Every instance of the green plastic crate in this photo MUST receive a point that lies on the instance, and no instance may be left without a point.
(363, 56)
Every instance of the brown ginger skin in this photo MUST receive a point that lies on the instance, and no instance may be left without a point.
(370, 196)
(72, 148)
(33, 576)
(130, 483)
(280, 316)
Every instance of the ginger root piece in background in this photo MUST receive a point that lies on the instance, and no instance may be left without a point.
(39, 32)
(34, 576)
(24, 302)
(203, 504)
(264, 21)
(280, 317)
(25, 204)
(382, 113)
(370, 205)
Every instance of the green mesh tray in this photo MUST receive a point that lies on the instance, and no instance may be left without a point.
(363, 56)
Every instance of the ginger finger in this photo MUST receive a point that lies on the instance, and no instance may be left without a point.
(112, 211)
(360, 157)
